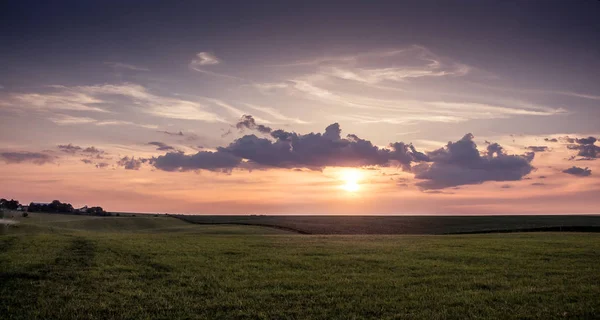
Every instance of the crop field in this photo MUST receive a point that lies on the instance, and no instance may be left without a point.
(408, 224)
(81, 267)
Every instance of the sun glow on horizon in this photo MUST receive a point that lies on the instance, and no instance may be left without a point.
(351, 177)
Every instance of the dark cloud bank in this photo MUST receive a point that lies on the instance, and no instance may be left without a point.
(161, 146)
(131, 163)
(458, 163)
(577, 171)
(587, 148)
(32, 157)
(73, 149)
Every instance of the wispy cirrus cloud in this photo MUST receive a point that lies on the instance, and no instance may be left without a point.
(401, 111)
(276, 114)
(233, 111)
(139, 96)
(61, 100)
(64, 119)
(393, 65)
(126, 66)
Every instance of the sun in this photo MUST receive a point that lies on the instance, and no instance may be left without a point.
(351, 177)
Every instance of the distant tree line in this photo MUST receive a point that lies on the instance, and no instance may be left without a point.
(53, 207)
(9, 204)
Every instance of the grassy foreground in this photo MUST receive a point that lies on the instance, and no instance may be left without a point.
(164, 268)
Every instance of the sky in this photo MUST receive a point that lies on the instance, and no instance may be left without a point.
(329, 107)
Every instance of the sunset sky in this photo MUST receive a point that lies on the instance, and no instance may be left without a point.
(274, 107)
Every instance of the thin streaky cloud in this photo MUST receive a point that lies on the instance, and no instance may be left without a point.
(160, 106)
(222, 75)
(121, 123)
(276, 114)
(233, 111)
(65, 100)
(410, 111)
(539, 91)
(63, 119)
(119, 65)
(578, 95)
(349, 58)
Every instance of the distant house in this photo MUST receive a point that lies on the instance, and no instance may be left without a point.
(83, 209)
(22, 208)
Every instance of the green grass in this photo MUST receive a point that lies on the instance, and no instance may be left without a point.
(195, 271)
(44, 222)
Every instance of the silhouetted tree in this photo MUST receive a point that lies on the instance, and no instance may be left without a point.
(9, 204)
(96, 211)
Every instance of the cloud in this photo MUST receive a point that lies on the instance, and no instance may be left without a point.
(550, 139)
(119, 65)
(161, 146)
(69, 148)
(90, 98)
(172, 133)
(204, 59)
(73, 149)
(102, 165)
(87, 161)
(92, 150)
(248, 122)
(207, 160)
(276, 114)
(292, 150)
(124, 123)
(24, 156)
(63, 119)
(577, 171)
(64, 99)
(405, 63)
(131, 163)
(461, 163)
(375, 110)
(538, 148)
(156, 105)
(588, 140)
(226, 133)
(567, 139)
(587, 149)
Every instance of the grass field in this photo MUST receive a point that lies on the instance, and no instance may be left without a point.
(61, 266)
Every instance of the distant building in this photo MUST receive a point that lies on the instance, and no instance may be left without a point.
(83, 209)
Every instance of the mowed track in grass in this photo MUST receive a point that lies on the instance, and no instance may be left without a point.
(71, 273)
